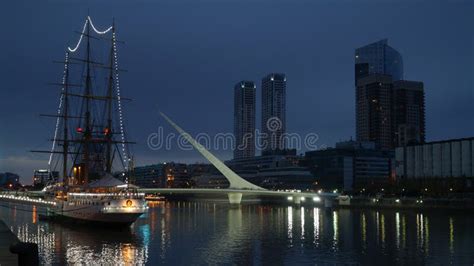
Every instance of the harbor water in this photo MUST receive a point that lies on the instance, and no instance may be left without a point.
(202, 233)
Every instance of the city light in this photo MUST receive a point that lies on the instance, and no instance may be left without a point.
(316, 199)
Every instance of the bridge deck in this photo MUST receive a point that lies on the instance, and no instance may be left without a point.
(243, 191)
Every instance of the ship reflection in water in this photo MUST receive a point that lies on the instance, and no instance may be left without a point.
(215, 233)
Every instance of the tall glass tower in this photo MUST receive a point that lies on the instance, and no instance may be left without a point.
(273, 113)
(378, 58)
(244, 119)
(377, 66)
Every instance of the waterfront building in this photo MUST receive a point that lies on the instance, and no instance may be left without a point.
(374, 110)
(378, 58)
(390, 111)
(409, 112)
(176, 175)
(244, 119)
(258, 163)
(273, 113)
(283, 170)
(42, 177)
(198, 169)
(149, 176)
(286, 177)
(210, 180)
(162, 175)
(9, 180)
(351, 165)
(204, 175)
(443, 160)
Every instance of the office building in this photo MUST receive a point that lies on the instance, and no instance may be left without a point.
(149, 176)
(162, 175)
(374, 96)
(176, 175)
(273, 113)
(409, 112)
(244, 119)
(351, 165)
(378, 58)
(43, 177)
(390, 111)
(275, 171)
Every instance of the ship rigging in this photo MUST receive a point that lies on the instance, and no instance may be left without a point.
(90, 137)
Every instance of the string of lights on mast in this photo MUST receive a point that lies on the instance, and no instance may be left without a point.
(117, 84)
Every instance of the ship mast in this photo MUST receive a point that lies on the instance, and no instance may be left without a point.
(108, 129)
(65, 142)
(88, 145)
(87, 131)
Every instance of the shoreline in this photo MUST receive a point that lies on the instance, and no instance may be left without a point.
(465, 204)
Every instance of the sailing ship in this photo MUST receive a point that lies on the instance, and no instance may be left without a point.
(89, 138)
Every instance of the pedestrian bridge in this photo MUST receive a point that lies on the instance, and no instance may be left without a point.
(238, 187)
(235, 195)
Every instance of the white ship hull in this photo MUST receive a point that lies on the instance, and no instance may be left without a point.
(99, 208)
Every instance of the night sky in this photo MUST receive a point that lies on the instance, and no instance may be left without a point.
(184, 57)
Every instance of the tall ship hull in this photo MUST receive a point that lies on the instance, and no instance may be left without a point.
(105, 209)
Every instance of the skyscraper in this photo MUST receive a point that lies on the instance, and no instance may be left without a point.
(409, 112)
(244, 119)
(273, 112)
(389, 111)
(378, 58)
(374, 110)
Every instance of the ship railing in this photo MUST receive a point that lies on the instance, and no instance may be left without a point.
(103, 196)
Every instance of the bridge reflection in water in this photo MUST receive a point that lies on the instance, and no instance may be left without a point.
(213, 233)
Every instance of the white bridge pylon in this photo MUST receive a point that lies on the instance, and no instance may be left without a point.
(236, 182)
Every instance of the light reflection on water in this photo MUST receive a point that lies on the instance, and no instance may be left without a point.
(184, 233)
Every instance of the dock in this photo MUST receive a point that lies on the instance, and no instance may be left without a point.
(15, 252)
(7, 238)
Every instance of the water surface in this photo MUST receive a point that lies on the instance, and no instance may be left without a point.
(201, 233)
